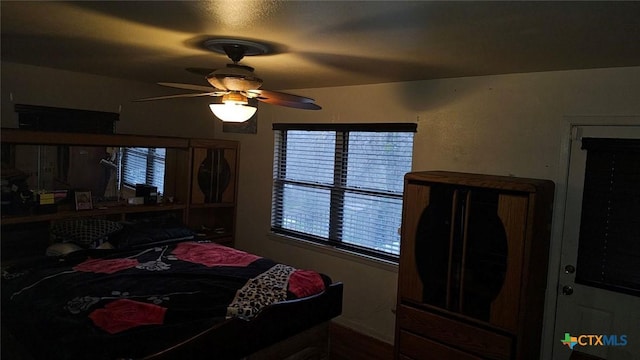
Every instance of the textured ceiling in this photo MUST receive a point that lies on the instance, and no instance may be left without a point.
(322, 43)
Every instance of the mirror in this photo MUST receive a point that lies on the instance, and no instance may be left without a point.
(98, 169)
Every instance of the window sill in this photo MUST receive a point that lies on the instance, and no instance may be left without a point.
(333, 251)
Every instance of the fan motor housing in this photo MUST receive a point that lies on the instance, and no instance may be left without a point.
(235, 78)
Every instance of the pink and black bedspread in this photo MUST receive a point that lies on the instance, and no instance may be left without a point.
(105, 304)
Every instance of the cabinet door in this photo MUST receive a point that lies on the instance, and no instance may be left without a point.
(513, 213)
(213, 177)
(462, 250)
(416, 199)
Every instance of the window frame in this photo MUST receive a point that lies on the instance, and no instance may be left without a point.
(338, 189)
(150, 169)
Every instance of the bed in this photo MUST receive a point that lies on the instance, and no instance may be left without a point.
(177, 298)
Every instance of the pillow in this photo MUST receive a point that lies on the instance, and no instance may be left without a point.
(87, 233)
(151, 232)
(60, 249)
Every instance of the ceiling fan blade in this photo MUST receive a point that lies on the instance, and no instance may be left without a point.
(186, 86)
(292, 104)
(215, 93)
(268, 94)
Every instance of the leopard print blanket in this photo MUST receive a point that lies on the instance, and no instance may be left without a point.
(265, 289)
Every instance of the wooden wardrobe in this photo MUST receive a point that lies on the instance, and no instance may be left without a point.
(473, 266)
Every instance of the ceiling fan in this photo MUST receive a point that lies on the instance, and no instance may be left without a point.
(236, 84)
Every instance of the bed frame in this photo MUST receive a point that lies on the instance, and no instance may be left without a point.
(237, 338)
(262, 337)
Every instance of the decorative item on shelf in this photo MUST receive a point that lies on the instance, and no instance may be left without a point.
(110, 166)
(148, 193)
(45, 203)
(17, 198)
(83, 200)
(60, 196)
(136, 200)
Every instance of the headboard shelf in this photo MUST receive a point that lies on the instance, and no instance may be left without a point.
(17, 136)
(101, 212)
(57, 162)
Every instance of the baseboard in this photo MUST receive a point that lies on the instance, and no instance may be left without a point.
(348, 344)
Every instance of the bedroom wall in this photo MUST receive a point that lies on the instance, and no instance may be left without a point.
(506, 125)
(25, 84)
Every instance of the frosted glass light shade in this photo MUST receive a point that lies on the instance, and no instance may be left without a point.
(231, 112)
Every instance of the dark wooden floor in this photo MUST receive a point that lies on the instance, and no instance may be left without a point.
(347, 344)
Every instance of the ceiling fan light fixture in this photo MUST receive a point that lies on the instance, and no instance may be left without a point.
(237, 83)
(233, 111)
(234, 98)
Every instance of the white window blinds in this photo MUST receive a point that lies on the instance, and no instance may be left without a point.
(143, 166)
(342, 184)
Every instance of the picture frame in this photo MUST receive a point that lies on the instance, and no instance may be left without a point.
(83, 200)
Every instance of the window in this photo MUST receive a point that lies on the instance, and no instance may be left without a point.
(341, 184)
(143, 166)
(608, 245)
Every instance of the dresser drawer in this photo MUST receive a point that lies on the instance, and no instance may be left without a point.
(418, 348)
(454, 333)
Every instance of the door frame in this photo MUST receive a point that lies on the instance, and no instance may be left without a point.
(559, 207)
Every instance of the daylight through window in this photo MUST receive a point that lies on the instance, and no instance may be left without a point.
(341, 184)
(143, 166)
